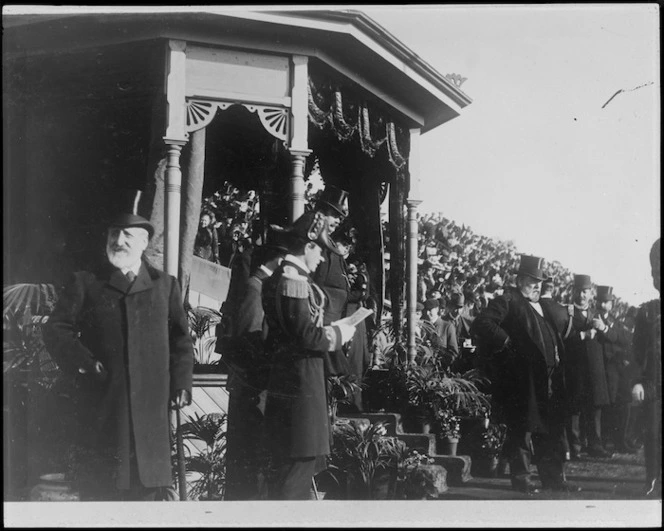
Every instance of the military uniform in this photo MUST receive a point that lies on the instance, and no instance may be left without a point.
(296, 412)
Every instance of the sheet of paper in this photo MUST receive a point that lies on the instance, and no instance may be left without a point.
(360, 315)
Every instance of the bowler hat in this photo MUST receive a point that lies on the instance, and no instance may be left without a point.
(127, 201)
(335, 198)
(605, 293)
(456, 300)
(419, 306)
(125, 220)
(431, 303)
(312, 227)
(531, 266)
(582, 282)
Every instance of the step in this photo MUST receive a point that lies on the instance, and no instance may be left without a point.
(424, 443)
(392, 421)
(457, 466)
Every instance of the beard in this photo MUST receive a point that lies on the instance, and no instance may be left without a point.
(534, 296)
(122, 258)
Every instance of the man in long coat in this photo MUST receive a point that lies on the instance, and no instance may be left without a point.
(615, 340)
(331, 275)
(585, 372)
(647, 388)
(123, 329)
(249, 369)
(296, 410)
(523, 345)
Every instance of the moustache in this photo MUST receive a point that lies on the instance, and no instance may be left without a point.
(119, 249)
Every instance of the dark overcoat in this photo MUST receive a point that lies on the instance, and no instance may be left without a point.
(140, 334)
(331, 276)
(615, 344)
(520, 376)
(584, 365)
(296, 410)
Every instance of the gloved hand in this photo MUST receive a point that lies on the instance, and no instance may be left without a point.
(347, 332)
(181, 398)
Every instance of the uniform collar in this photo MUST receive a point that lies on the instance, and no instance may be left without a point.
(296, 261)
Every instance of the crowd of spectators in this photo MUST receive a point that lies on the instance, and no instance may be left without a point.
(453, 258)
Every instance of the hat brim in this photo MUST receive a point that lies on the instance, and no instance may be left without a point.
(125, 221)
(337, 208)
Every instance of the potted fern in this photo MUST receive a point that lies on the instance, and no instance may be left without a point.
(202, 323)
(206, 463)
(365, 460)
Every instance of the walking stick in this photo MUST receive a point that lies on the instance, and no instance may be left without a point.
(182, 480)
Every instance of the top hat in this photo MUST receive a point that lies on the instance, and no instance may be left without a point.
(605, 293)
(127, 216)
(531, 266)
(336, 198)
(431, 303)
(456, 300)
(312, 227)
(582, 282)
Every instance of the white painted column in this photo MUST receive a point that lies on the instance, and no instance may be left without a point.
(413, 203)
(175, 138)
(299, 126)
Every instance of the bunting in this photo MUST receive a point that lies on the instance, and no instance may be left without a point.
(335, 118)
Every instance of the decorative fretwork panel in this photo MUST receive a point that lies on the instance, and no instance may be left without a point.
(275, 120)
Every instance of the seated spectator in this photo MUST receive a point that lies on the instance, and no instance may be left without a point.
(444, 330)
(205, 244)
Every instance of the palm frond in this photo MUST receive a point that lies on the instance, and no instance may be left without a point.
(39, 298)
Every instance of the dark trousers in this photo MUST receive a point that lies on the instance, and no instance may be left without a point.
(585, 425)
(245, 459)
(545, 450)
(652, 443)
(615, 421)
(292, 479)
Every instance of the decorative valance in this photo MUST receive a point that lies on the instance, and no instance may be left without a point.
(346, 120)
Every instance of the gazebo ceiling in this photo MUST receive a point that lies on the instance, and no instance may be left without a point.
(347, 41)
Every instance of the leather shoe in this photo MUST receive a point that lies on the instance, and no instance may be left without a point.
(525, 486)
(562, 486)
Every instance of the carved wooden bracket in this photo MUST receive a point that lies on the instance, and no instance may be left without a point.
(274, 119)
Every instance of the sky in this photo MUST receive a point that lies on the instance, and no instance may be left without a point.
(536, 158)
(541, 156)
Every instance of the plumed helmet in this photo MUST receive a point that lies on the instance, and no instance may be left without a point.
(312, 226)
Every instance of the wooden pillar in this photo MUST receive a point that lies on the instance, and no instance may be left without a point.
(175, 137)
(296, 185)
(299, 148)
(413, 202)
(411, 276)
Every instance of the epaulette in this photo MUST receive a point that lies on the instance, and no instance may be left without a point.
(292, 284)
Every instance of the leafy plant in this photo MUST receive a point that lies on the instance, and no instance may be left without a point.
(210, 462)
(449, 425)
(38, 298)
(360, 452)
(489, 441)
(23, 347)
(201, 323)
(340, 390)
